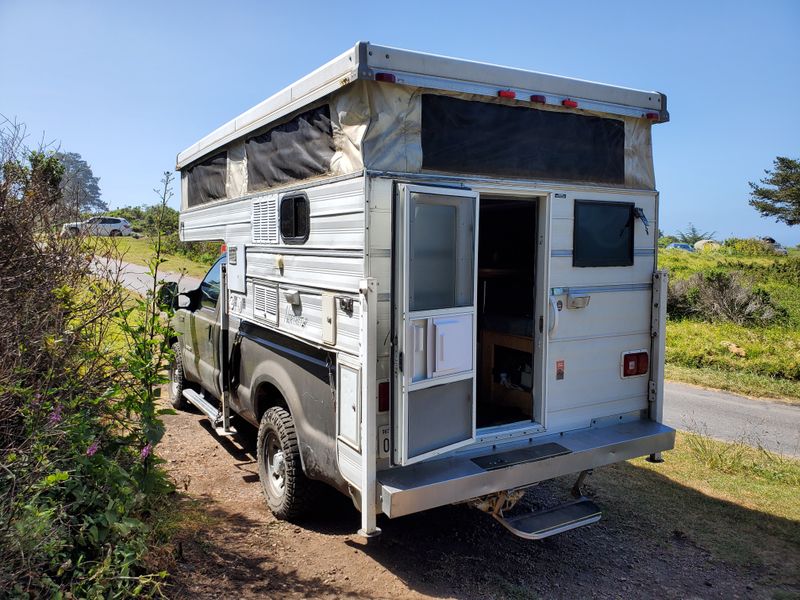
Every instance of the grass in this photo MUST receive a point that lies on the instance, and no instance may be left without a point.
(139, 251)
(737, 502)
(766, 360)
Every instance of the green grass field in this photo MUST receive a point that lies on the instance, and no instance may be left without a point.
(139, 251)
(698, 352)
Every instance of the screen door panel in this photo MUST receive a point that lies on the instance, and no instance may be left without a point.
(436, 244)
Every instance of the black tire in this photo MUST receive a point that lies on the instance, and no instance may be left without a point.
(289, 492)
(177, 382)
(74, 231)
(115, 233)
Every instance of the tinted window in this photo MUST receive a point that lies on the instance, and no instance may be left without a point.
(209, 289)
(294, 219)
(603, 234)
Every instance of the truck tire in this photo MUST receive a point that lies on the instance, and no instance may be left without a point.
(288, 490)
(74, 231)
(115, 233)
(177, 382)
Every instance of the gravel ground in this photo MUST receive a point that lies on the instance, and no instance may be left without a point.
(240, 550)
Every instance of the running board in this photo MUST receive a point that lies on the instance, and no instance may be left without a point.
(214, 414)
(542, 524)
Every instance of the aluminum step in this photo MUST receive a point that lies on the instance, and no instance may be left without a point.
(541, 524)
(204, 405)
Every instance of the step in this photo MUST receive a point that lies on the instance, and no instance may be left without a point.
(544, 523)
(209, 410)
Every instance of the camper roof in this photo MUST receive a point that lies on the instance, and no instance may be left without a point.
(372, 62)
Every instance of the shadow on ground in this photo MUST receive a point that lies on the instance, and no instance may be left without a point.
(652, 542)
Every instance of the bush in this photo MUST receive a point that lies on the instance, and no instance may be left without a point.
(747, 247)
(78, 478)
(722, 296)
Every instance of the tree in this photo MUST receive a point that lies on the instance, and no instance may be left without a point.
(779, 194)
(79, 187)
(693, 234)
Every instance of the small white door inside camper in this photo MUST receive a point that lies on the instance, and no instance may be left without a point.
(435, 288)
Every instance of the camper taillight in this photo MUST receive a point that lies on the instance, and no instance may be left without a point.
(635, 363)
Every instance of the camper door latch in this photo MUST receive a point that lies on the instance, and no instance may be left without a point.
(639, 214)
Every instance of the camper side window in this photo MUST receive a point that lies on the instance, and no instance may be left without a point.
(603, 234)
(294, 219)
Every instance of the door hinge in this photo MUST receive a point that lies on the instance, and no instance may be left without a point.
(400, 362)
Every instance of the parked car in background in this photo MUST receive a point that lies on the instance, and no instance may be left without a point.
(680, 246)
(774, 246)
(111, 226)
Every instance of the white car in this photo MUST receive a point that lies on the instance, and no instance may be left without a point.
(111, 226)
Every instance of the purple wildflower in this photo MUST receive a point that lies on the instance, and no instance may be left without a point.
(92, 449)
(146, 451)
(55, 416)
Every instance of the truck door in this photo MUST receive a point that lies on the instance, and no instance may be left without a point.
(435, 297)
(206, 330)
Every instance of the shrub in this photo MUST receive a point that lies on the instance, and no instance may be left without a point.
(78, 422)
(721, 296)
(747, 247)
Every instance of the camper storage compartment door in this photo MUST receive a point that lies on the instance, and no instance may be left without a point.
(436, 294)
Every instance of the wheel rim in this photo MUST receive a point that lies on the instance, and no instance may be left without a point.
(276, 465)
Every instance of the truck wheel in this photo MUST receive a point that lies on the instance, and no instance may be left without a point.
(74, 231)
(177, 382)
(115, 233)
(287, 488)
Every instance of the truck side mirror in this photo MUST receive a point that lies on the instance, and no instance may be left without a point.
(184, 301)
(168, 294)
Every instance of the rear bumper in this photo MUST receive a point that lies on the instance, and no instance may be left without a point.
(455, 479)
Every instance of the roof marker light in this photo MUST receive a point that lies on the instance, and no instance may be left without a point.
(539, 99)
(569, 103)
(652, 116)
(507, 94)
(386, 77)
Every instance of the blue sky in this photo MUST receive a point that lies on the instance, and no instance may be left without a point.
(128, 85)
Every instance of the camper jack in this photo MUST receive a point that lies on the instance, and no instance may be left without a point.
(440, 285)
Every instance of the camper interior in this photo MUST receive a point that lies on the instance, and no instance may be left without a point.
(506, 305)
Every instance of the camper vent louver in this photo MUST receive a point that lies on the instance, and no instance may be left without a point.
(265, 304)
(265, 221)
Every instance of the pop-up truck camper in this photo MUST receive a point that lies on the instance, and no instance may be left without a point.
(440, 285)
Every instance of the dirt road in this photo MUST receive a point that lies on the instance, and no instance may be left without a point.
(239, 550)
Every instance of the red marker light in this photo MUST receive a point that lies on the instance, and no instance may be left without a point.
(507, 94)
(386, 77)
(538, 99)
(223, 248)
(652, 116)
(569, 103)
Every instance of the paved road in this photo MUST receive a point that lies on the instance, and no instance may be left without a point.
(136, 277)
(773, 425)
(721, 415)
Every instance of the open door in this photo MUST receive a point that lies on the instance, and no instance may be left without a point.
(435, 291)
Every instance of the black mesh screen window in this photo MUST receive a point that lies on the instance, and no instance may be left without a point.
(295, 219)
(603, 234)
